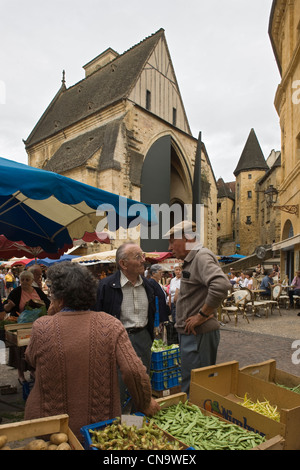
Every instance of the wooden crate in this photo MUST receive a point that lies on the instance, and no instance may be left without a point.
(24, 430)
(219, 389)
(267, 371)
(275, 443)
(18, 334)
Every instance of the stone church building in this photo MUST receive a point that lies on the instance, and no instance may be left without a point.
(123, 128)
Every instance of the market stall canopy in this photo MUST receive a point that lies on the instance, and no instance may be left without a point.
(9, 249)
(19, 249)
(230, 258)
(17, 262)
(48, 210)
(102, 237)
(48, 262)
(157, 256)
(103, 256)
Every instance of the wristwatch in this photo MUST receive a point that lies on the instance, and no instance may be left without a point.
(203, 314)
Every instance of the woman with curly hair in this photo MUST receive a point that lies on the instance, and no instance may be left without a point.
(76, 354)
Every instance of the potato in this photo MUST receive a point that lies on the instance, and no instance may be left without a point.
(3, 441)
(36, 444)
(64, 446)
(58, 438)
(52, 447)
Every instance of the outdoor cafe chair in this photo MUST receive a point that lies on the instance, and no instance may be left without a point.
(275, 296)
(235, 304)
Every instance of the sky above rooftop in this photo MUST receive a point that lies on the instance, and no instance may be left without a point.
(221, 52)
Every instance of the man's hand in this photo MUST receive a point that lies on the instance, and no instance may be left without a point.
(196, 320)
(192, 322)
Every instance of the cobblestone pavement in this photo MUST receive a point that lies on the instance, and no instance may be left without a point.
(260, 340)
(263, 339)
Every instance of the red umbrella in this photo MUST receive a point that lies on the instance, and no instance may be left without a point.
(101, 237)
(10, 249)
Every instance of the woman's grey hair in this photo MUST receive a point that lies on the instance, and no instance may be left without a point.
(155, 268)
(72, 283)
(26, 274)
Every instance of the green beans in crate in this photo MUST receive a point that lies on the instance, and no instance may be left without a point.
(163, 356)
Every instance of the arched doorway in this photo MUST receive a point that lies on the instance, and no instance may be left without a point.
(165, 183)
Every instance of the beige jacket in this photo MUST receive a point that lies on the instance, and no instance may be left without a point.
(202, 282)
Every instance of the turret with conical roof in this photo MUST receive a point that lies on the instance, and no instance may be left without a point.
(252, 157)
(251, 167)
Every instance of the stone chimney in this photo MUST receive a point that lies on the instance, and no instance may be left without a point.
(100, 61)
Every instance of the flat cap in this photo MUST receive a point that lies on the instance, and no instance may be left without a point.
(186, 227)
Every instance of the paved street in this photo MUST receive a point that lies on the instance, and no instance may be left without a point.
(261, 340)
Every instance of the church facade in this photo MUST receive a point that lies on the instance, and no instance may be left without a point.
(123, 128)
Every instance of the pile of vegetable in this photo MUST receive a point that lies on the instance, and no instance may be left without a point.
(120, 436)
(164, 356)
(187, 423)
(8, 321)
(58, 441)
(262, 407)
(158, 345)
(292, 389)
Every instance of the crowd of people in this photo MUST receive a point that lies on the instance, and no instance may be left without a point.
(94, 344)
(263, 279)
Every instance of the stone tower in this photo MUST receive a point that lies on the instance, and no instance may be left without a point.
(251, 168)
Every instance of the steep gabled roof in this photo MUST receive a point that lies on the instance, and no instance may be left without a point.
(252, 157)
(225, 189)
(76, 152)
(106, 86)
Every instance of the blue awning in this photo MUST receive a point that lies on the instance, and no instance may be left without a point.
(49, 210)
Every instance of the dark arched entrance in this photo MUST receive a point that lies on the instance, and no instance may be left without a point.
(159, 186)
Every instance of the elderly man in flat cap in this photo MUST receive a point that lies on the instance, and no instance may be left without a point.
(203, 287)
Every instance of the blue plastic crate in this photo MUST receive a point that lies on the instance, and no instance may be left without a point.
(161, 360)
(165, 379)
(97, 426)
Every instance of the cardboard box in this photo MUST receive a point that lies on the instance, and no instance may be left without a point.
(275, 443)
(18, 334)
(37, 428)
(219, 389)
(267, 371)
